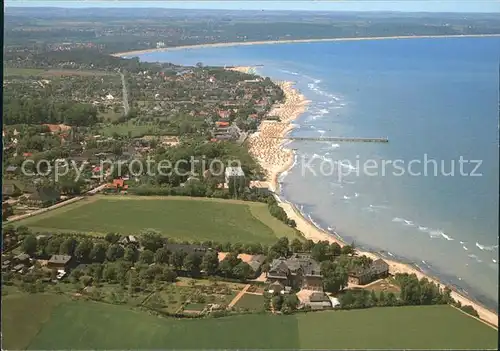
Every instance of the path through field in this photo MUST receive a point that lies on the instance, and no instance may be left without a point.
(239, 296)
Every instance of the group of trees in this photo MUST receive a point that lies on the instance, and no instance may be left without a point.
(21, 110)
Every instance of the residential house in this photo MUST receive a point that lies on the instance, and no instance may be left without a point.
(129, 240)
(11, 169)
(234, 174)
(11, 188)
(299, 272)
(187, 248)
(377, 270)
(60, 262)
(45, 196)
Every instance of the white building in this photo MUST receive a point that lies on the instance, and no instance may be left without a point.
(232, 172)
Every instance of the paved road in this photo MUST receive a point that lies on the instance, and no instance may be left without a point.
(126, 107)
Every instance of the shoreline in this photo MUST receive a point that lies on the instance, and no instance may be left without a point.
(296, 41)
(268, 150)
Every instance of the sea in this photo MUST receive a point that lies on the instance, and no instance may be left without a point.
(428, 197)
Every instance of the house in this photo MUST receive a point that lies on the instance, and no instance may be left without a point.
(118, 185)
(299, 272)
(56, 128)
(232, 174)
(129, 239)
(59, 262)
(377, 270)
(187, 249)
(22, 258)
(319, 301)
(45, 196)
(260, 187)
(254, 261)
(11, 188)
(11, 169)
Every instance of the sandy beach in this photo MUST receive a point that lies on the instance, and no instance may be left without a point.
(292, 41)
(276, 159)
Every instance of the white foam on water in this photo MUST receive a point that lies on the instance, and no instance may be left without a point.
(335, 146)
(356, 194)
(390, 254)
(346, 197)
(349, 182)
(447, 237)
(475, 258)
(435, 233)
(321, 131)
(408, 223)
(494, 261)
(423, 229)
(289, 72)
(397, 219)
(486, 248)
(465, 248)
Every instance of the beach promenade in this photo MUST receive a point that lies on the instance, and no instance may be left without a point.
(266, 145)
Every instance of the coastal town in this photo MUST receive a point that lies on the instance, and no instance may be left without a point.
(89, 230)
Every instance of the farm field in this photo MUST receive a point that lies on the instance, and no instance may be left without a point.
(34, 72)
(78, 324)
(217, 220)
(251, 302)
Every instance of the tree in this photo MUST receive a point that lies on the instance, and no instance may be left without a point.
(381, 299)
(177, 259)
(112, 238)
(192, 264)
(242, 271)
(168, 275)
(226, 268)
(161, 256)
(29, 244)
(307, 245)
(146, 256)
(348, 250)
(210, 263)
(391, 299)
(114, 252)
(68, 247)
(98, 253)
(296, 245)
(82, 251)
(291, 302)
(151, 240)
(130, 254)
(334, 249)
(320, 250)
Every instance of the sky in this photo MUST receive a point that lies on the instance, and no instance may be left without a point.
(318, 5)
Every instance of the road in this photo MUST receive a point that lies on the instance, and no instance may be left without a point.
(126, 107)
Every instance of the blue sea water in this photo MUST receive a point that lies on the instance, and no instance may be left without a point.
(437, 102)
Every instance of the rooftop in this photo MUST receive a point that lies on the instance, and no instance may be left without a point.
(234, 172)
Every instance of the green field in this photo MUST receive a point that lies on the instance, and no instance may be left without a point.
(91, 325)
(25, 72)
(251, 302)
(180, 218)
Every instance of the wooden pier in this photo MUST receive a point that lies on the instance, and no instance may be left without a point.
(339, 139)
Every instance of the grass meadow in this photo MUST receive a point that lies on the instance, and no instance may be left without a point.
(46, 322)
(179, 218)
